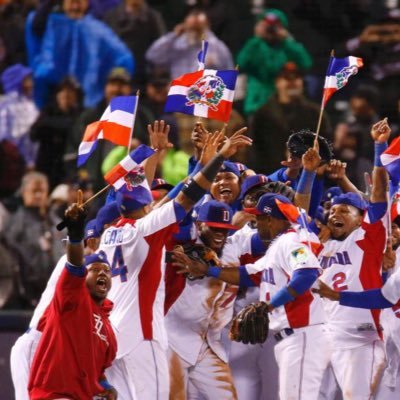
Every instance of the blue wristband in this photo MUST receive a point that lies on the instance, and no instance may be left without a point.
(106, 385)
(74, 241)
(306, 182)
(281, 297)
(214, 272)
(379, 149)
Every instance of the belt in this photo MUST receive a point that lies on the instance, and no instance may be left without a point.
(283, 334)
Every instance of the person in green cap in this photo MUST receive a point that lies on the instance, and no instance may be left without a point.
(264, 55)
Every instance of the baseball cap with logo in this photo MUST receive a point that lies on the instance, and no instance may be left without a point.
(331, 193)
(252, 182)
(160, 183)
(216, 215)
(351, 199)
(229, 166)
(99, 257)
(106, 215)
(267, 205)
(90, 230)
(133, 199)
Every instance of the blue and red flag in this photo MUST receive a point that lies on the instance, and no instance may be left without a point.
(115, 125)
(391, 160)
(201, 57)
(206, 93)
(338, 74)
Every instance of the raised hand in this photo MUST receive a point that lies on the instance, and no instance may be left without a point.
(389, 257)
(336, 170)
(186, 265)
(210, 148)
(311, 159)
(158, 135)
(380, 131)
(326, 292)
(232, 144)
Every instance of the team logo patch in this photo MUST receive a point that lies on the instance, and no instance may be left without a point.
(208, 91)
(300, 255)
(134, 178)
(267, 210)
(343, 75)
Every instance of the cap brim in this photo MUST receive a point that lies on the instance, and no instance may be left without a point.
(252, 210)
(220, 225)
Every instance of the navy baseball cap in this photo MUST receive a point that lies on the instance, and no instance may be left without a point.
(229, 166)
(99, 257)
(331, 193)
(106, 215)
(216, 214)
(351, 199)
(161, 184)
(267, 205)
(252, 182)
(90, 230)
(133, 199)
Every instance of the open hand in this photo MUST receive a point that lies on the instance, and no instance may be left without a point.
(211, 145)
(236, 141)
(158, 135)
(186, 265)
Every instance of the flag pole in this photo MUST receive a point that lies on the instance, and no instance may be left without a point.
(134, 119)
(321, 111)
(95, 195)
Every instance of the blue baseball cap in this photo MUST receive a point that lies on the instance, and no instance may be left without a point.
(267, 205)
(331, 193)
(106, 215)
(252, 182)
(216, 215)
(160, 183)
(133, 199)
(90, 230)
(99, 257)
(12, 77)
(229, 166)
(351, 199)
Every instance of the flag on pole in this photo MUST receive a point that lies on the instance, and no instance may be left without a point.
(391, 160)
(115, 125)
(117, 176)
(207, 93)
(338, 74)
(201, 57)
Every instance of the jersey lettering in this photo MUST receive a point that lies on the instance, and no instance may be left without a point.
(338, 258)
(118, 266)
(113, 237)
(268, 276)
(339, 282)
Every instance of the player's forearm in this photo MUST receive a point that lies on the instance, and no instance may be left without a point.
(370, 299)
(150, 166)
(379, 176)
(228, 275)
(75, 253)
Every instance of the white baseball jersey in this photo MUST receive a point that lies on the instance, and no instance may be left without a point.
(391, 289)
(201, 308)
(135, 250)
(286, 254)
(354, 264)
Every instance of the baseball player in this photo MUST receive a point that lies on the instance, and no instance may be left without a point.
(352, 260)
(387, 297)
(135, 247)
(288, 270)
(198, 310)
(77, 342)
(24, 348)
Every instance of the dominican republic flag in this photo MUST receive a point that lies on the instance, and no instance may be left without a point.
(391, 160)
(338, 73)
(115, 125)
(207, 93)
(395, 207)
(201, 57)
(117, 176)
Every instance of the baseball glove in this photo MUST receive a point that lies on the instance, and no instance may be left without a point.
(199, 252)
(251, 325)
(299, 142)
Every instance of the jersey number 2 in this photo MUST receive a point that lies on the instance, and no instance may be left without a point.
(118, 266)
(339, 282)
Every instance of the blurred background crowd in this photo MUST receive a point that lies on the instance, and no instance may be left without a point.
(62, 61)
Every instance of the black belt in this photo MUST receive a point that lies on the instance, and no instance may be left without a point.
(283, 333)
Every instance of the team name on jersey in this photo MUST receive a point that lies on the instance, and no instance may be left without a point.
(339, 258)
(114, 236)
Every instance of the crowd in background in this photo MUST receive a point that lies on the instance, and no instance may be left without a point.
(61, 62)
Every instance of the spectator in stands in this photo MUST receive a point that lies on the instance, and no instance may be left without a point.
(286, 111)
(33, 246)
(263, 56)
(17, 111)
(177, 51)
(72, 43)
(138, 26)
(350, 142)
(53, 127)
